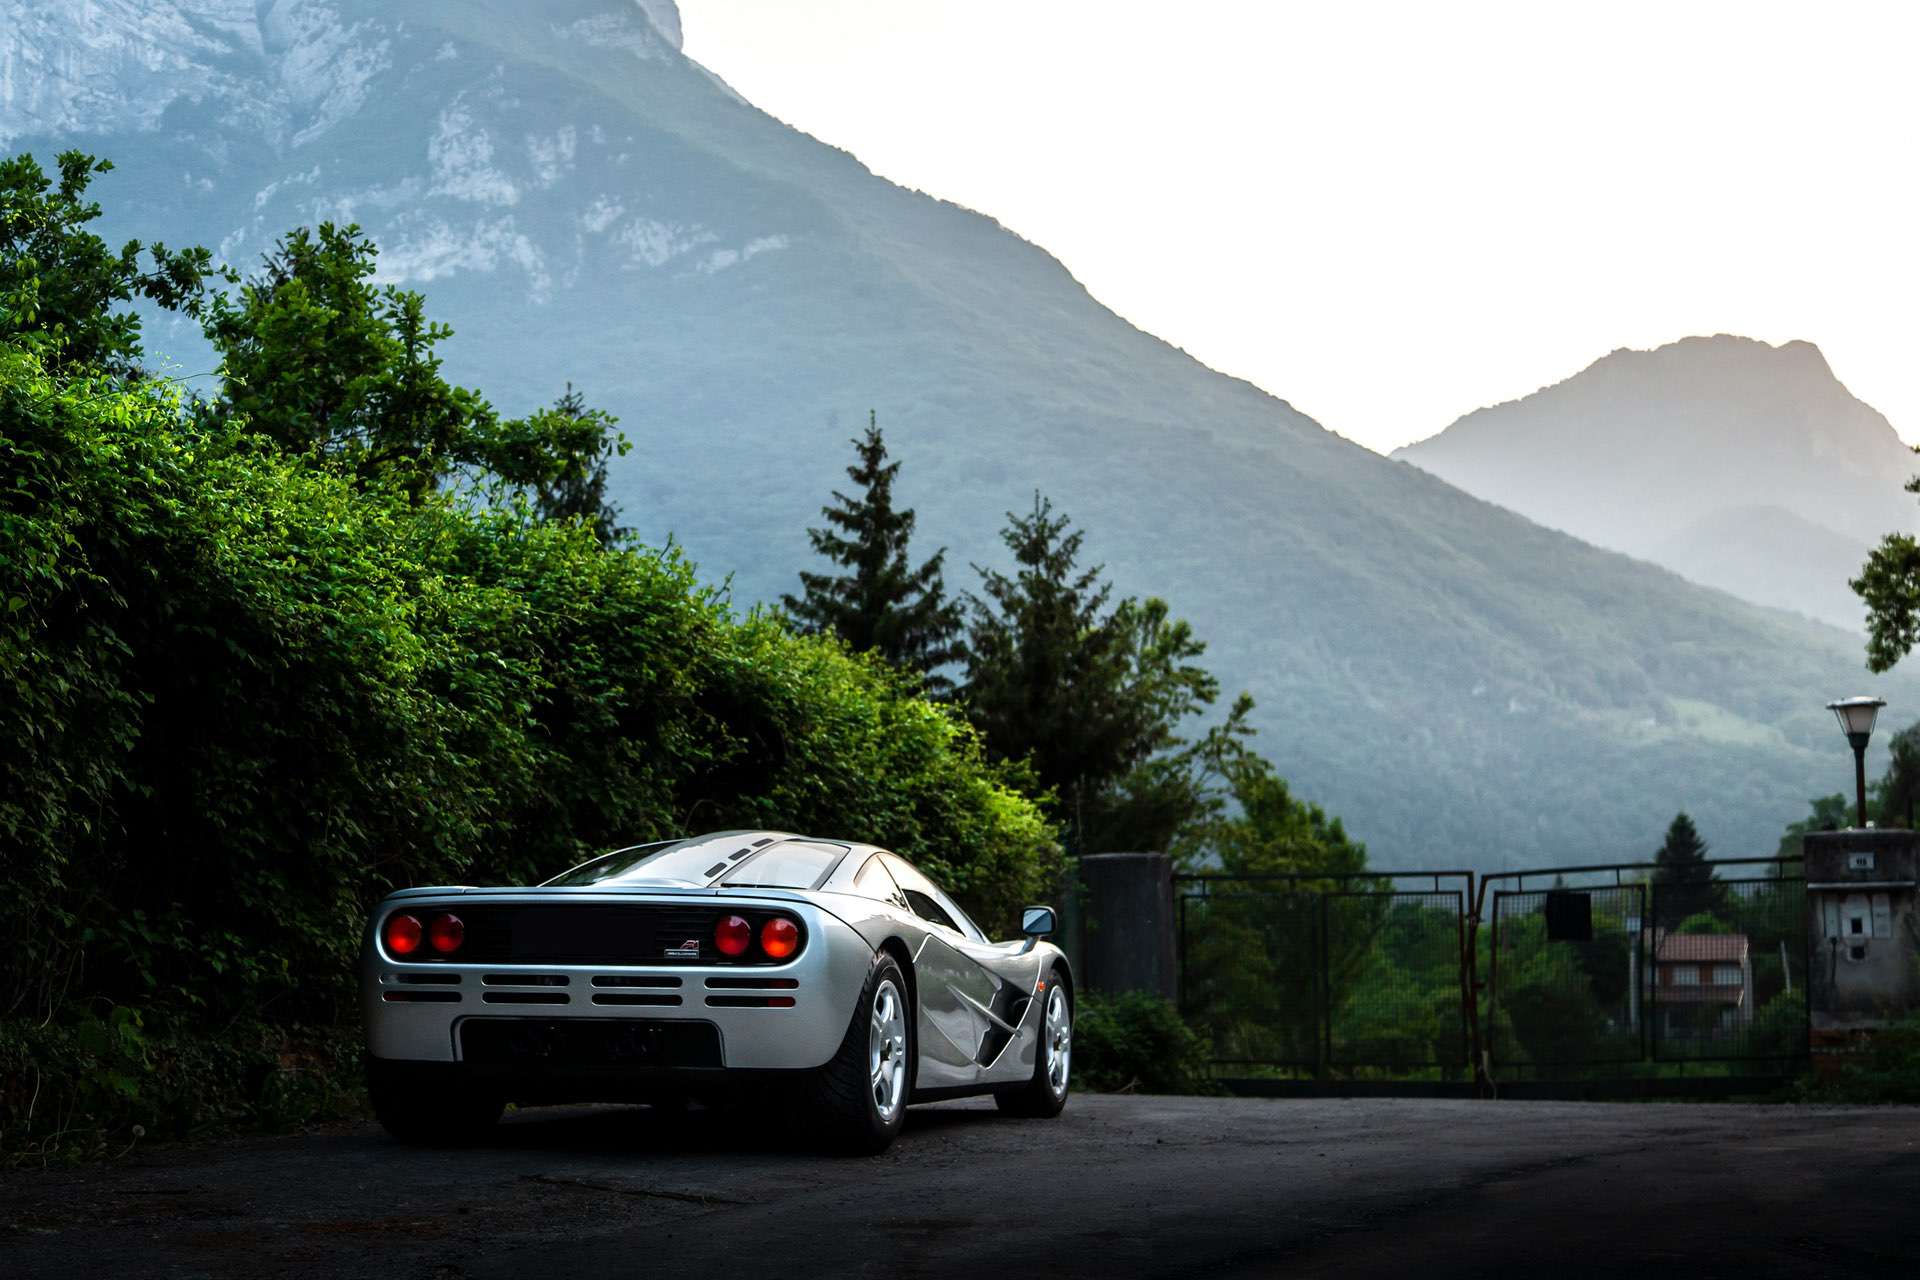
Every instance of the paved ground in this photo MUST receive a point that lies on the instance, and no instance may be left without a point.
(1116, 1187)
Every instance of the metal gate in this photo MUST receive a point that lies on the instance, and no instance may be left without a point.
(1635, 976)
(1328, 975)
(1565, 974)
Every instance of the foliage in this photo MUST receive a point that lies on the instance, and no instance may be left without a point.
(1889, 584)
(1780, 1026)
(1826, 813)
(1562, 1002)
(1895, 795)
(259, 696)
(1266, 831)
(1092, 697)
(571, 446)
(330, 366)
(1886, 1070)
(100, 1081)
(260, 686)
(62, 288)
(1137, 1042)
(1891, 797)
(322, 361)
(882, 603)
(1685, 879)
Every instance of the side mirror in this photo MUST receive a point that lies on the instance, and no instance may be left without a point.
(1038, 922)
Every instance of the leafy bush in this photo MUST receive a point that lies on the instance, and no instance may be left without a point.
(1137, 1041)
(95, 1083)
(1886, 1070)
(253, 695)
(1780, 1026)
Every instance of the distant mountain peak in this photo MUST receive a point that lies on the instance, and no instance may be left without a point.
(1674, 454)
(665, 17)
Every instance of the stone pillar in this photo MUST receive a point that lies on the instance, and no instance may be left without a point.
(1863, 930)
(1127, 923)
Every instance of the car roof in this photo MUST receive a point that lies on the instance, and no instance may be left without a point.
(700, 861)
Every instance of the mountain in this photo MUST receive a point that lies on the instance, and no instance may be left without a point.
(1770, 555)
(584, 203)
(1740, 465)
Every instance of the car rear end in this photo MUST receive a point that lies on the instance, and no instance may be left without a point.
(535, 995)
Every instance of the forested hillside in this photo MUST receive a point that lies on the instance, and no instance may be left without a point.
(584, 204)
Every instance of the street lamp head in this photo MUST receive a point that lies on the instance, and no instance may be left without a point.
(1856, 717)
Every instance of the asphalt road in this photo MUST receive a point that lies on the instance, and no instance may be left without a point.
(1115, 1187)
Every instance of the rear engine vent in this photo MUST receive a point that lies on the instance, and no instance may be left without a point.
(525, 997)
(633, 998)
(623, 980)
(754, 984)
(525, 979)
(428, 979)
(421, 997)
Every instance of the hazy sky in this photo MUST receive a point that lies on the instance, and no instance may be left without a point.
(1390, 214)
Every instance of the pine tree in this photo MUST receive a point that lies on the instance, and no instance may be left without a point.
(1683, 881)
(1092, 698)
(581, 441)
(882, 603)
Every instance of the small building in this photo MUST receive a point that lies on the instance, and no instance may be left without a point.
(1863, 931)
(1703, 985)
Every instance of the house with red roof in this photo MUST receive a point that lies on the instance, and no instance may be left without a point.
(1703, 985)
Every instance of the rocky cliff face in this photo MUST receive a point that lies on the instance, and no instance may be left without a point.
(584, 203)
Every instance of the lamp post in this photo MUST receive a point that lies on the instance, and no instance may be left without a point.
(1856, 717)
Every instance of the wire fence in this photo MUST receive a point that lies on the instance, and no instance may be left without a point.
(1327, 974)
(1578, 972)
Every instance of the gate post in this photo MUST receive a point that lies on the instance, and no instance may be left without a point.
(1863, 933)
(1128, 924)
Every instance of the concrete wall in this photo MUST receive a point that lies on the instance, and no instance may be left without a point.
(1863, 928)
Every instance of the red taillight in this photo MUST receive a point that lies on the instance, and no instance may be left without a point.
(403, 934)
(779, 937)
(733, 936)
(446, 933)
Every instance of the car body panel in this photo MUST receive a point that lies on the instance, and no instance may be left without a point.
(977, 1025)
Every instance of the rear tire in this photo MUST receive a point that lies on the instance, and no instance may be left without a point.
(858, 1101)
(429, 1104)
(1045, 1095)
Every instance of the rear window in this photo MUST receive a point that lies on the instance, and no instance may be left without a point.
(791, 864)
(611, 866)
(679, 863)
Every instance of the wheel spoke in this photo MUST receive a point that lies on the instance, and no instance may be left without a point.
(887, 1051)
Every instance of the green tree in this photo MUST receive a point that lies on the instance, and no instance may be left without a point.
(1889, 584)
(1896, 796)
(323, 361)
(1266, 830)
(1826, 813)
(560, 456)
(1683, 881)
(881, 603)
(64, 293)
(1092, 696)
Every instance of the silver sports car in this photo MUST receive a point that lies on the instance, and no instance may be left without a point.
(828, 974)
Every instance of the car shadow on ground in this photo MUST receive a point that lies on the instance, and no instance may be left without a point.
(692, 1129)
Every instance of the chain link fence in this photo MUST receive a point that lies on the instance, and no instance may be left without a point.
(1600, 971)
(1333, 974)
